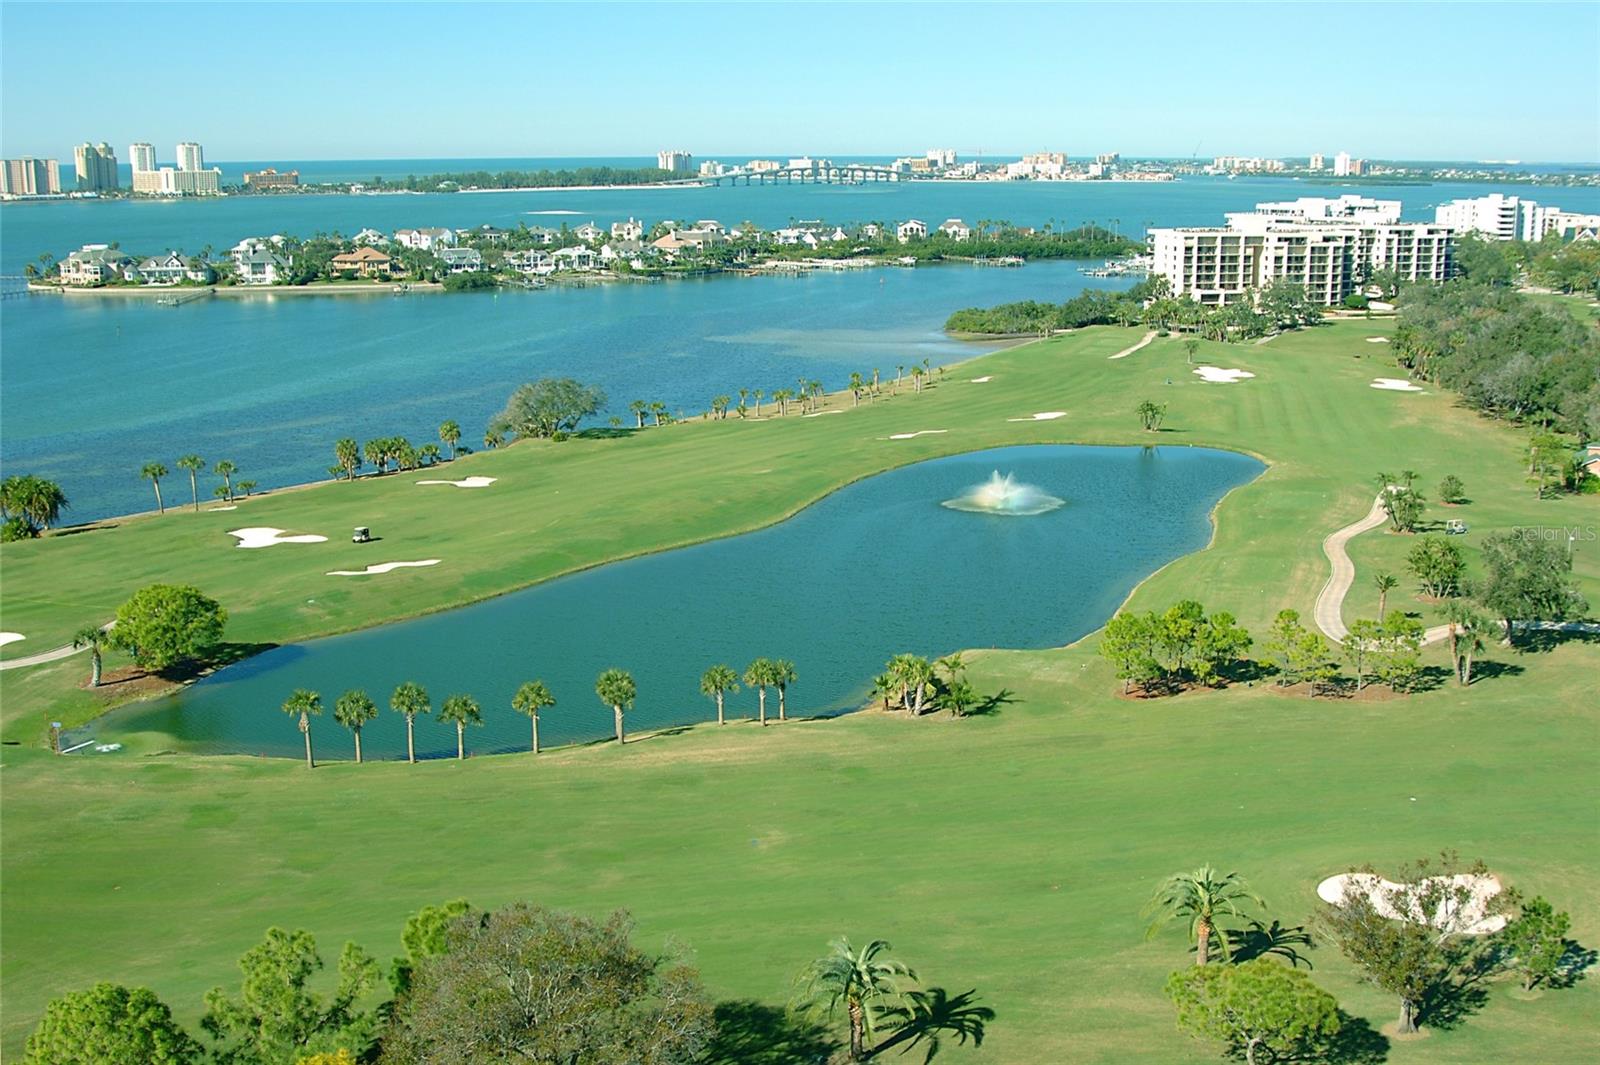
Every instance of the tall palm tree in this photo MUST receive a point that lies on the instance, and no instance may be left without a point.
(193, 464)
(1200, 898)
(450, 435)
(348, 453)
(410, 699)
(1465, 627)
(155, 471)
(758, 675)
(759, 393)
(304, 704)
(783, 675)
(532, 697)
(226, 470)
(616, 689)
(638, 408)
(94, 638)
(857, 980)
(717, 682)
(461, 711)
(658, 410)
(352, 710)
(1385, 583)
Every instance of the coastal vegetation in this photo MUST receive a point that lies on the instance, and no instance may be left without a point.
(1280, 305)
(455, 181)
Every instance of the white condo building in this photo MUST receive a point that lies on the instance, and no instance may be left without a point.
(190, 178)
(190, 156)
(1501, 217)
(675, 161)
(30, 177)
(1317, 162)
(1341, 165)
(143, 158)
(1329, 246)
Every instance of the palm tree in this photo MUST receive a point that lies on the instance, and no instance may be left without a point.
(638, 408)
(657, 410)
(410, 699)
(1465, 628)
(857, 382)
(952, 665)
(1200, 898)
(352, 710)
(759, 393)
(532, 697)
(758, 675)
(884, 685)
(226, 470)
(247, 487)
(94, 638)
(617, 690)
(913, 677)
(783, 675)
(305, 705)
(450, 435)
(856, 980)
(717, 682)
(193, 463)
(1385, 583)
(428, 454)
(461, 711)
(493, 438)
(155, 471)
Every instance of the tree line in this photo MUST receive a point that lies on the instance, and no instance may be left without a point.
(543, 178)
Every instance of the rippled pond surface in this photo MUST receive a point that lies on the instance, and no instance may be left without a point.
(877, 568)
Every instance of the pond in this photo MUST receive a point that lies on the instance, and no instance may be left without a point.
(875, 569)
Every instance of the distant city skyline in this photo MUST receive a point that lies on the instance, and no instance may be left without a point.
(1286, 80)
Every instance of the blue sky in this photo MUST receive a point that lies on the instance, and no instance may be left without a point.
(264, 81)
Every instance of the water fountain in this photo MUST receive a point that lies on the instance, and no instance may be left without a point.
(1004, 495)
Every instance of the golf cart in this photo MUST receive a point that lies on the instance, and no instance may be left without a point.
(1455, 527)
(362, 535)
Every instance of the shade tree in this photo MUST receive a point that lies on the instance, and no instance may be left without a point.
(109, 1023)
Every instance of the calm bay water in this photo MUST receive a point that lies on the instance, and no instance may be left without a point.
(92, 389)
(872, 570)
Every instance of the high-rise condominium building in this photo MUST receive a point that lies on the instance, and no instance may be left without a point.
(1501, 217)
(30, 177)
(942, 156)
(675, 161)
(1341, 165)
(96, 165)
(143, 158)
(190, 157)
(1318, 162)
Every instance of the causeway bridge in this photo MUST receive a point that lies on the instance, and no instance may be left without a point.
(819, 174)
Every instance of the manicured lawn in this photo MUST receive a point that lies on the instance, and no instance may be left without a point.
(1009, 853)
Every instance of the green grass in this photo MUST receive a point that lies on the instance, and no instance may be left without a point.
(1008, 853)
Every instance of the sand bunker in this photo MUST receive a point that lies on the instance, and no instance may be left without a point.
(264, 536)
(1394, 384)
(1218, 376)
(919, 432)
(1042, 416)
(1377, 340)
(467, 482)
(216, 510)
(380, 567)
(820, 413)
(10, 637)
(982, 380)
(1471, 918)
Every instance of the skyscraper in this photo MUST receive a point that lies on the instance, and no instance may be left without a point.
(30, 177)
(1317, 162)
(1341, 165)
(190, 157)
(143, 157)
(675, 161)
(96, 165)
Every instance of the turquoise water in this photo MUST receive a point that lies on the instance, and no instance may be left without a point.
(877, 568)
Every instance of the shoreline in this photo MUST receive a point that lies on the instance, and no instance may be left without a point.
(186, 293)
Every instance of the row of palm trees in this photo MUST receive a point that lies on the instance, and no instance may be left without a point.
(810, 394)
(779, 673)
(193, 464)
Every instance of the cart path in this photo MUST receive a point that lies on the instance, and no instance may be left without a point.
(55, 654)
(1125, 352)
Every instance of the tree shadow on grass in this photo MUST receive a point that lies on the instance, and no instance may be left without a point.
(753, 1033)
(1356, 1044)
(932, 1016)
(1491, 670)
(605, 432)
(1576, 961)
(989, 705)
(1259, 940)
(1543, 641)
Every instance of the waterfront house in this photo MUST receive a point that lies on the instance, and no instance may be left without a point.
(909, 230)
(425, 239)
(461, 260)
(531, 262)
(95, 264)
(485, 233)
(631, 252)
(838, 234)
(632, 229)
(709, 225)
(171, 268)
(589, 232)
(365, 261)
(370, 237)
(541, 235)
(577, 258)
(261, 266)
(871, 231)
(955, 229)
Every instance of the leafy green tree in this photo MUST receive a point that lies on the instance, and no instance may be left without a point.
(532, 697)
(353, 710)
(226, 470)
(304, 705)
(1547, 459)
(783, 675)
(1528, 579)
(545, 407)
(1438, 566)
(410, 699)
(1298, 654)
(1359, 645)
(461, 711)
(153, 472)
(581, 992)
(1259, 1010)
(95, 639)
(193, 464)
(1397, 656)
(616, 689)
(1200, 899)
(450, 435)
(424, 937)
(717, 682)
(857, 981)
(1150, 415)
(1536, 940)
(1484, 260)
(277, 1018)
(107, 1025)
(760, 675)
(164, 624)
(1129, 644)
(1451, 490)
(348, 454)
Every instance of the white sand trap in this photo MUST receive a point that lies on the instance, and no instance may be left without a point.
(467, 482)
(919, 432)
(982, 380)
(1394, 384)
(1218, 376)
(381, 567)
(264, 536)
(820, 413)
(218, 510)
(1471, 918)
(1377, 340)
(1042, 416)
(10, 637)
